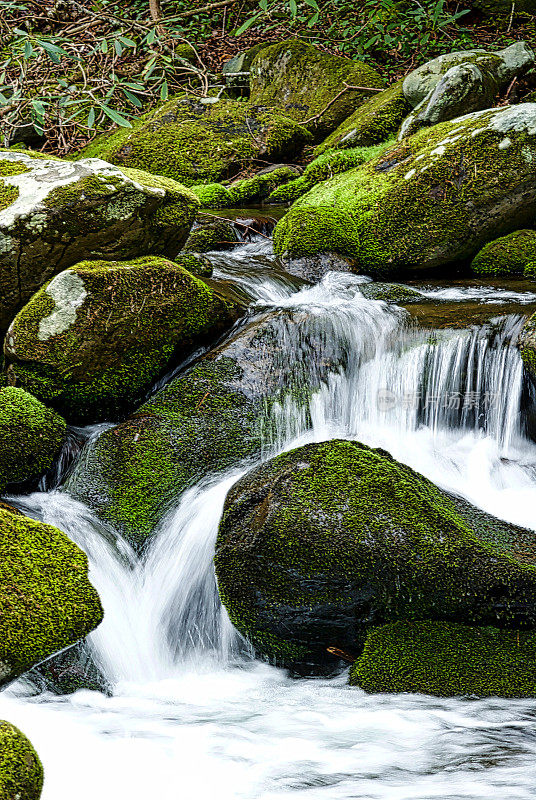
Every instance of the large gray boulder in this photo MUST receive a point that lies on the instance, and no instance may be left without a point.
(458, 83)
(433, 199)
(54, 213)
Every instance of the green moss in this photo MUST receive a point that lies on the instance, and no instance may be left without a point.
(8, 194)
(134, 318)
(217, 235)
(433, 199)
(21, 771)
(31, 437)
(213, 195)
(390, 293)
(46, 599)
(507, 256)
(320, 543)
(195, 142)
(260, 186)
(325, 167)
(447, 660)
(305, 83)
(372, 123)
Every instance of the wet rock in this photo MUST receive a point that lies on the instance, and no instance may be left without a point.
(92, 341)
(215, 235)
(506, 257)
(21, 771)
(322, 543)
(54, 213)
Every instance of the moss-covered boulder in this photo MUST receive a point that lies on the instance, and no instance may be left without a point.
(21, 771)
(307, 84)
(31, 437)
(372, 123)
(428, 201)
(46, 598)
(504, 7)
(324, 167)
(204, 421)
(527, 346)
(459, 83)
(201, 141)
(54, 213)
(395, 293)
(323, 542)
(508, 256)
(215, 235)
(92, 341)
(447, 660)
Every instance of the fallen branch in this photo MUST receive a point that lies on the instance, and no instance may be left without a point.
(347, 87)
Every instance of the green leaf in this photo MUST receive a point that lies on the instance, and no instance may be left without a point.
(115, 116)
(91, 118)
(127, 42)
(151, 36)
(247, 24)
(104, 46)
(118, 48)
(164, 91)
(132, 98)
(293, 7)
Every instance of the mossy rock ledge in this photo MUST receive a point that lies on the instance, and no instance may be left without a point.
(447, 660)
(54, 213)
(305, 83)
(508, 256)
(21, 771)
(31, 437)
(320, 544)
(202, 142)
(211, 418)
(431, 200)
(46, 598)
(92, 341)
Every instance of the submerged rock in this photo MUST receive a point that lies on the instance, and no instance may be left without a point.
(308, 84)
(321, 543)
(458, 83)
(201, 141)
(395, 293)
(372, 123)
(31, 437)
(218, 234)
(508, 256)
(447, 660)
(92, 341)
(433, 199)
(46, 598)
(53, 213)
(21, 771)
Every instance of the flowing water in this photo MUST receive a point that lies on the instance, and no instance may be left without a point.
(192, 714)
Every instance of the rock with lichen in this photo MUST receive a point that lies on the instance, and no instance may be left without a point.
(322, 543)
(46, 598)
(54, 213)
(92, 341)
(433, 199)
(31, 437)
(207, 140)
(313, 87)
(21, 771)
(459, 83)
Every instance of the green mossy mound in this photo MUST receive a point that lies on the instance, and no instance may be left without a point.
(92, 341)
(194, 141)
(527, 346)
(323, 542)
(21, 771)
(508, 256)
(216, 235)
(31, 437)
(372, 123)
(46, 598)
(252, 190)
(390, 293)
(431, 200)
(305, 84)
(323, 168)
(447, 660)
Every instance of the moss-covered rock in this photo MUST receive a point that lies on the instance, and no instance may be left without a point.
(504, 7)
(201, 141)
(46, 598)
(459, 83)
(323, 542)
(305, 83)
(61, 212)
(31, 437)
(323, 168)
(390, 293)
(433, 199)
(507, 256)
(446, 660)
(261, 186)
(21, 771)
(92, 341)
(216, 235)
(527, 346)
(372, 123)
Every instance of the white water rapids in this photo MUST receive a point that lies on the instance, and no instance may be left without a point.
(192, 715)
